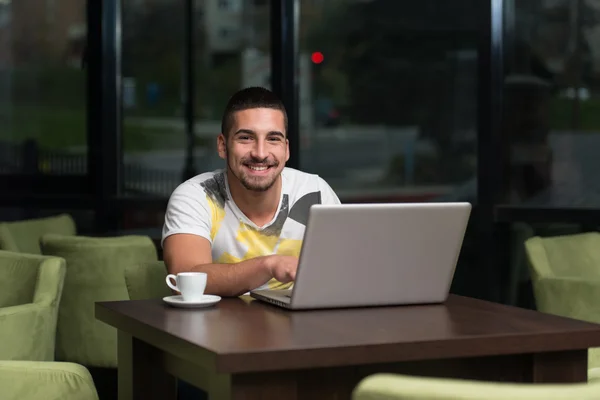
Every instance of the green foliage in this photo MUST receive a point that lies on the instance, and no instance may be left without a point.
(48, 84)
(50, 127)
(561, 114)
(153, 44)
(61, 128)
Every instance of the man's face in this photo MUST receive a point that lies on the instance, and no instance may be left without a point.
(256, 148)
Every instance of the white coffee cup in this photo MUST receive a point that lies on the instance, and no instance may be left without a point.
(191, 285)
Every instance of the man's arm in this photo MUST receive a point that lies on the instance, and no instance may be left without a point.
(186, 252)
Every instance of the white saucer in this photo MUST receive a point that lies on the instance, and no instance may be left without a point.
(177, 301)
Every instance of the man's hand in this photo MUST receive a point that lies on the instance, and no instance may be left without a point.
(283, 268)
(186, 252)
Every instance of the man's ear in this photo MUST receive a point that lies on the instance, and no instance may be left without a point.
(287, 150)
(222, 146)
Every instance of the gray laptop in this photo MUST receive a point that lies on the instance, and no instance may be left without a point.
(357, 255)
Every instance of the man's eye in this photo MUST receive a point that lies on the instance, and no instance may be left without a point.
(244, 137)
(275, 139)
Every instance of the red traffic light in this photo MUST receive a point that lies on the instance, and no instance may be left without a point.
(317, 57)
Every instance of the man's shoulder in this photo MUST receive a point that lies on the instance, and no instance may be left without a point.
(300, 181)
(298, 177)
(204, 177)
(212, 182)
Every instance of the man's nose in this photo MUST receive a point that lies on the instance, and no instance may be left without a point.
(259, 151)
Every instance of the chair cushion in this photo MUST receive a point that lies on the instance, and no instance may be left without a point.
(147, 281)
(24, 236)
(95, 272)
(575, 255)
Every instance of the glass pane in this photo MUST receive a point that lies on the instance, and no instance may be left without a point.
(42, 87)
(551, 103)
(229, 36)
(152, 66)
(389, 97)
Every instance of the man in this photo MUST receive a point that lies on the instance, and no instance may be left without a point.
(244, 225)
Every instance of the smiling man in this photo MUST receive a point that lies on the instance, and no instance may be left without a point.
(244, 225)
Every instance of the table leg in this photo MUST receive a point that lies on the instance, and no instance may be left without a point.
(140, 371)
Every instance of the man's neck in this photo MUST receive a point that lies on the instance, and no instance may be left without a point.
(259, 207)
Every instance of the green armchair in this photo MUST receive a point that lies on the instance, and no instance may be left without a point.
(401, 387)
(565, 272)
(30, 380)
(95, 272)
(24, 236)
(30, 293)
(147, 281)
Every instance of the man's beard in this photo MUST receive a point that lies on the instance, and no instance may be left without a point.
(247, 182)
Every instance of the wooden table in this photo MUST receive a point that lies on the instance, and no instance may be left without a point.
(244, 349)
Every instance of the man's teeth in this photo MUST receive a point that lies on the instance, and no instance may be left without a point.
(257, 168)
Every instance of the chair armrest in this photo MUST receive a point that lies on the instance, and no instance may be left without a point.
(7, 242)
(29, 380)
(577, 298)
(391, 387)
(50, 282)
(27, 332)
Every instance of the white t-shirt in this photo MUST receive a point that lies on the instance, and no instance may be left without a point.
(203, 206)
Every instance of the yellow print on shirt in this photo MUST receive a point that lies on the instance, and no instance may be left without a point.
(217, 214)
(259, 244)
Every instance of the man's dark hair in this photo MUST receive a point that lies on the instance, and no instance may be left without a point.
(248, 98)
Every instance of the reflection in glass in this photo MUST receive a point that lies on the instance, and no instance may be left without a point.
(230, 46)
(388, 90)
(153, 134)
(551, 102)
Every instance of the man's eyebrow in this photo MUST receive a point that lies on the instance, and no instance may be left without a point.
(276, 133)
(245, 131)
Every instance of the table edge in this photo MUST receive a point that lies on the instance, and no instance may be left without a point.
(374, 353)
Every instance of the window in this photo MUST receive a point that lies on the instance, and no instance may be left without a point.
(224, 5)
(389, 97)
(43, 117)
(4, 13)
(155, 140)
(225, 33)
(552, 104)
